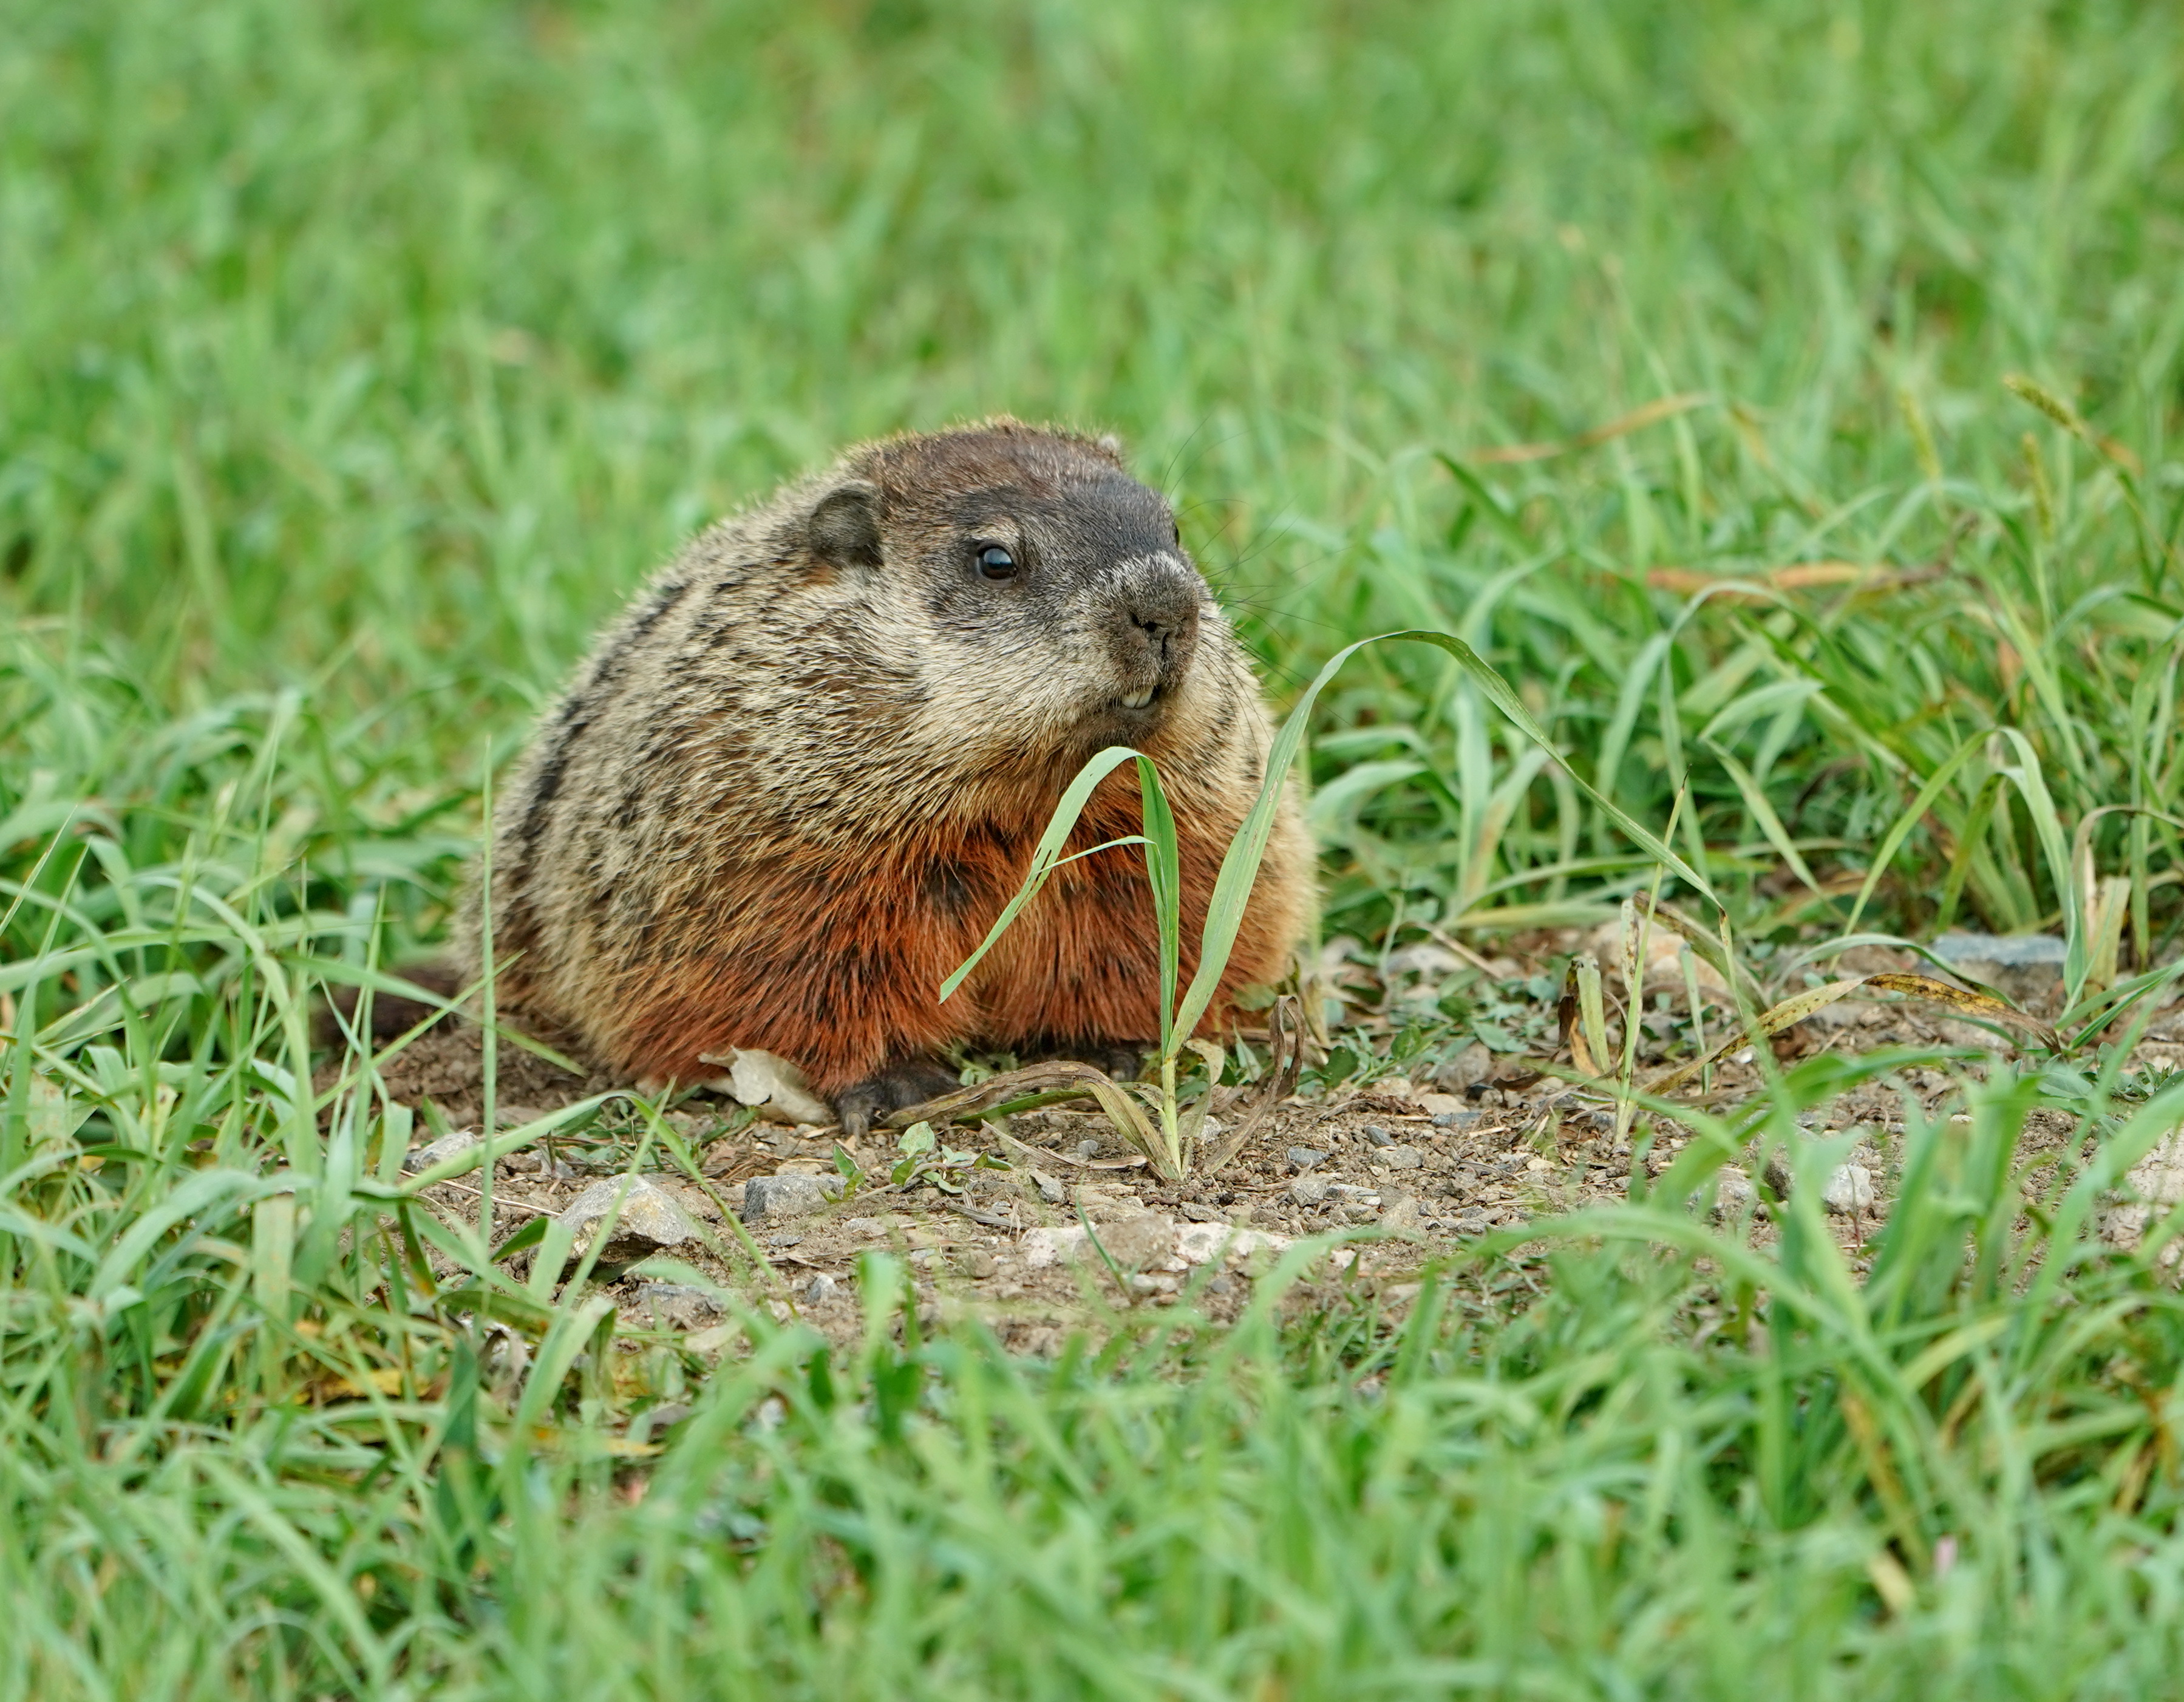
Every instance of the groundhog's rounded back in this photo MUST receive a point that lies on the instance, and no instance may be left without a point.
(790, 788)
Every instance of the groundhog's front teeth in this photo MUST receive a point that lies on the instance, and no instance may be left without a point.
(1138, 701)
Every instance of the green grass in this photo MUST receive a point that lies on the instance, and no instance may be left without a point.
(355, 362)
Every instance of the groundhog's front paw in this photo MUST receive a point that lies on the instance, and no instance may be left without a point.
(1119, 1060)
(1123, 1060)
(898, 1087)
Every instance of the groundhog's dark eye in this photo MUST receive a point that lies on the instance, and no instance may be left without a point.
(996, 563)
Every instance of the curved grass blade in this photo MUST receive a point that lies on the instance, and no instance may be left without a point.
(1047, 854)
(1164, 874)
(1771, 824)
(1901, 831)
(2032, 786)
(1969, 842)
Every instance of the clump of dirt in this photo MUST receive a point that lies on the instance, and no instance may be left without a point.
(446, 1066)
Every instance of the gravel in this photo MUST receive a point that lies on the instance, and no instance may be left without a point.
(446, 1146)
(649, 1218)
(768, 1199)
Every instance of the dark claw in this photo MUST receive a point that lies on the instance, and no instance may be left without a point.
(1124, 1062)
(1121, 1060)
(900, 1085)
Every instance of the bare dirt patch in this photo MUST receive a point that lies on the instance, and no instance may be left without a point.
(1059, 1223)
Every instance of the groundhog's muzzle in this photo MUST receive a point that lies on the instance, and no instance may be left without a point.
(1153, 629)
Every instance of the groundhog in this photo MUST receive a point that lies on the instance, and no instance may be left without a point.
(792, 787)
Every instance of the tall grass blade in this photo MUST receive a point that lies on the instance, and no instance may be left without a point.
(1164, 875)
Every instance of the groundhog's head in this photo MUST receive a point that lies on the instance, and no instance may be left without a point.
(1040, 597)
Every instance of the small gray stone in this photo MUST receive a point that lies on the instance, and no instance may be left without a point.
(678, 1305)
(821, 1288)
(1399, 1158)
(1378, 1135)
(658, 1420)
(1456, 1119)
(647, 1217)
(793, 1195)
(2150, 1189)
(2158, 1177)
(2011, 950)
(1474, 1063)
(1732, 1193)
(2021, 965)
(1402, 1215)
(446, 1146)
(1849, 1191)
(1050, 1187)
(1136, 1243)
(1308, 1191)
(1304, 1157)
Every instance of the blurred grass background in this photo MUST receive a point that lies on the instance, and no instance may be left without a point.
(355, 361)
(381, 350)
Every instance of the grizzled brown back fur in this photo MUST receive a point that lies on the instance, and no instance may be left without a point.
(792, 788)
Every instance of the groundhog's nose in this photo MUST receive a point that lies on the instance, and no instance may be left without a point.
(1160, 604)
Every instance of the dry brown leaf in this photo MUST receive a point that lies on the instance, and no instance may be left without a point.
(1969, 1002)
(770, 1082)
(1285, 1029)
(386, 1380)
(1793, 1011)
(1664, 408)
(1797, 576)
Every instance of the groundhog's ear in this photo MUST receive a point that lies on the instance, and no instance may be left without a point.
(844, 526)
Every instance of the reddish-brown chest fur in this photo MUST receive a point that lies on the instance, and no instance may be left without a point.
(840, 968)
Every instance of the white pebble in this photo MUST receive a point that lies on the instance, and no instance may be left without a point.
(1849, 1190)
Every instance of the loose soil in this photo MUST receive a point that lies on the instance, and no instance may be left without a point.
(1417, 1170)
